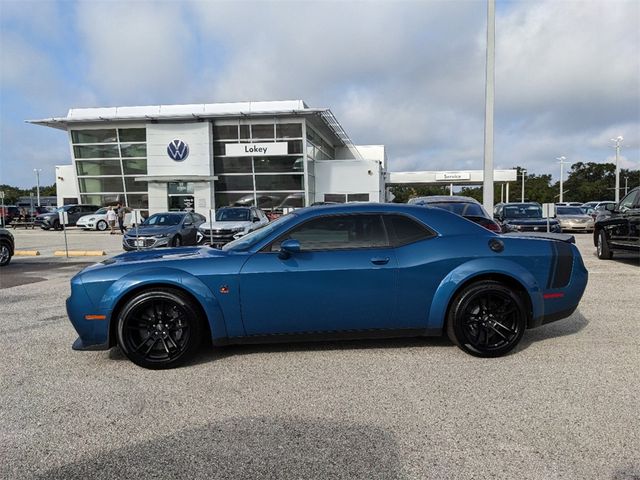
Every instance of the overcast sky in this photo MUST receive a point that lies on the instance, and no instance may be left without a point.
(409, 75)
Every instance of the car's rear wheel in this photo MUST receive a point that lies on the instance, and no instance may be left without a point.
(487, 319)
(604, 252)
(159, 328)
(5, 254)
(101, 225)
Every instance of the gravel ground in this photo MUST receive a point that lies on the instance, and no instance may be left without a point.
(564, 405)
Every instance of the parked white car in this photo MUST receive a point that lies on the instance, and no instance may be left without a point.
(231, 223)
(98, 220)
(95, 221)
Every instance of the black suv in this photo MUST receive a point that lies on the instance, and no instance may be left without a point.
(621, 229)
(6, 247)
(523, 217)
(74, 212)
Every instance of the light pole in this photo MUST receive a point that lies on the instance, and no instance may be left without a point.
(523, 172)
(487, 178)
(626, 185)
(38, 170)
(562, 163)
(618, 141)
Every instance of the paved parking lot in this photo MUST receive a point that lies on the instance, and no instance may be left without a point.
(565, 405)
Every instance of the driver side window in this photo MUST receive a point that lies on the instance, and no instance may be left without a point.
(629, 201)
(337, 232)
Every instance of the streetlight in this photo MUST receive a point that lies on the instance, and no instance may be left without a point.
(523, 172)
(38, 170)
(562, 163)
(618, 141)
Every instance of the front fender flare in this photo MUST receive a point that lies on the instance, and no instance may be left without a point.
(477, 268)
(168, 277)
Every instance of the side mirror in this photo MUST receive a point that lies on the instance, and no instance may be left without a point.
(288, 248)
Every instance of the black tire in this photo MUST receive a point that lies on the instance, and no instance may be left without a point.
(56, 225)
(101, 226)
(5, 254)
(487, 319)
(177, 241)
(44, 228)
(159, 329)
(604, 252)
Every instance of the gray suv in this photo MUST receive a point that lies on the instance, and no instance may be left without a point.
(74, 212)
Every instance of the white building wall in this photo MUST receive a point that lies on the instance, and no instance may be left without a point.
(66, 183)
(197, 135)
(349, 176)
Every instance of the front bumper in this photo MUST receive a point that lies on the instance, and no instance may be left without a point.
(142, 243)
(577, 227)
(93, 334)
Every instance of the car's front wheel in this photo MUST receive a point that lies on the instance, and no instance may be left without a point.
(487, 319)
(5, 254)
(101, 226)
(604, 252)
(159, 328)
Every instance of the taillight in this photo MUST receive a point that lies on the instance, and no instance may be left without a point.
(493, 226)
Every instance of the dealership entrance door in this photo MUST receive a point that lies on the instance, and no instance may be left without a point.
(180, 196)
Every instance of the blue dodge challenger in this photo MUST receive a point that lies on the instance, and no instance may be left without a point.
(330, 272)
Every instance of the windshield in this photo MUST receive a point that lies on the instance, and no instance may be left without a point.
(569, 211)
(460, 208)
(522, 211)
(233, 215)
(102, 211)
(163, 220)
(246, 242)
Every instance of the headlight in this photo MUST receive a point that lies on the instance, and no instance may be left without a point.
(90, 219)
(164, 235)
(237, 229)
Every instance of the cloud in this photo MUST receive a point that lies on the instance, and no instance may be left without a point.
(136, 52)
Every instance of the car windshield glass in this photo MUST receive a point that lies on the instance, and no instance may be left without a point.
(163, 220)
(460, 208)
(522, 211)
(59, 209)
(246, 242)
(569, 211)
(102, 211)
(232, 215)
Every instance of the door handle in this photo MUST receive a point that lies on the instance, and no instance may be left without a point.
(380, 260)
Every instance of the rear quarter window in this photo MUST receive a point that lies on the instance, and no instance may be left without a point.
(404, 230)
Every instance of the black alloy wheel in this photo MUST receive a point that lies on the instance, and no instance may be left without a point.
(487, 319)
(5, 254)
(159, 329)
(604, 252)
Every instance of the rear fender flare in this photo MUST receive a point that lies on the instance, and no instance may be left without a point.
(479, 268)
(168, 277)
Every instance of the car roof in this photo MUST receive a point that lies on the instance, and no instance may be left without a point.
(444, 198)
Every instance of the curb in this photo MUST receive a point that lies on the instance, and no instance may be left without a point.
(26, 253)
(79, 253)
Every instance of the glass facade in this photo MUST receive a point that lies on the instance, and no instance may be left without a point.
(270, 182)
(107, 161)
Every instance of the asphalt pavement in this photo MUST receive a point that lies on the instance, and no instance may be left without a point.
(565, 405)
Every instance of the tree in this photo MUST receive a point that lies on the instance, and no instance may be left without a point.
(404, 192)
(11, 194)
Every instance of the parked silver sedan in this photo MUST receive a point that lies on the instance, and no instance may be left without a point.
(574, 219)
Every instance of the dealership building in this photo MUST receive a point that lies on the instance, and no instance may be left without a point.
(276, 155)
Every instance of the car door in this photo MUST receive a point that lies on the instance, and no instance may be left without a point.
(619, 226)
(343, 278)
(189, 230)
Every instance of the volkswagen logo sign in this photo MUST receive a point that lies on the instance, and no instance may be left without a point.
(178, 150)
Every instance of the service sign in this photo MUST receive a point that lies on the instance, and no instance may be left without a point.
(448, 176)
(256, 149)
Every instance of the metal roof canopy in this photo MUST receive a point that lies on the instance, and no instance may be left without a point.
(322, 118)
(459, 177)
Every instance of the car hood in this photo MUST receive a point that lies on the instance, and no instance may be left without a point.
(530, 221)
(224, 225)
(99, 216)
(164, 255)
(150, 231)
(574, 217)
